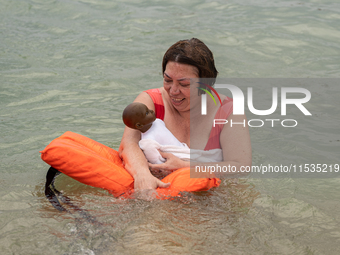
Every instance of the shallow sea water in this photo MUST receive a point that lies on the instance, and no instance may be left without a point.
(74, 65)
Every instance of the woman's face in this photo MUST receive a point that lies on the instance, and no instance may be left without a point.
(177, 84)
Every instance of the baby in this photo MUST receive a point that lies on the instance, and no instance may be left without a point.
(154, 135)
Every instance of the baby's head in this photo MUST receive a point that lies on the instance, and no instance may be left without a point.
(138, 116)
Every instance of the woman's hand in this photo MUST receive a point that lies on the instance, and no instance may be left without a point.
(148, 182)
(171, 164)
(145, 186)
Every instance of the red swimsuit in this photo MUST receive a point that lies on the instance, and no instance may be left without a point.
(222, 113)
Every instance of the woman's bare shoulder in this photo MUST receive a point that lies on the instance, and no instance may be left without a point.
(145, 98)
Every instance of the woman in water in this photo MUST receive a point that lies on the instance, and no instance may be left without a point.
(185, 60)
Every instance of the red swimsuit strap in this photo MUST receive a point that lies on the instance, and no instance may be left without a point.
(156, 96)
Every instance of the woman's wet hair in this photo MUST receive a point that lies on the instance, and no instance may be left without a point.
(195, 53)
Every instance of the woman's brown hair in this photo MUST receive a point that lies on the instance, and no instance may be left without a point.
(192, 52)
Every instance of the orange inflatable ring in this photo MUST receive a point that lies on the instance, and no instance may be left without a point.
(97, 165)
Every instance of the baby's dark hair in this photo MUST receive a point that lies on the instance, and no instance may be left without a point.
(129, 112)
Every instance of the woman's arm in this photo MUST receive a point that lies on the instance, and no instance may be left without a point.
(133, 157)
(235, 143)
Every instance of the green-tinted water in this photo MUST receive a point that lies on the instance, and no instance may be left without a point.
(75, 65)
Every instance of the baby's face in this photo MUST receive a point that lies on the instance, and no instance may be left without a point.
(145, 116)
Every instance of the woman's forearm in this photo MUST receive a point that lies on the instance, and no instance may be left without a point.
(134, 160)
(132, 156)
(136, 164)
